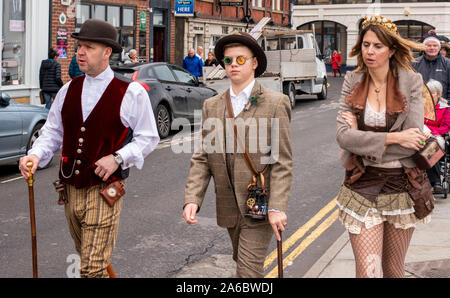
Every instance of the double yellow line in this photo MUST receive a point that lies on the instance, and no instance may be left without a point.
(300, 233)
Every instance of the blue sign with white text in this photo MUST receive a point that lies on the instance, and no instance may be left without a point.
(184, 7)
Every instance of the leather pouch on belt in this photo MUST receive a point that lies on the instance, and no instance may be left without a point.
(422, 197)
(112, 192)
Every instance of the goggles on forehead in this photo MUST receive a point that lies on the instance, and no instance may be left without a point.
(239, 60)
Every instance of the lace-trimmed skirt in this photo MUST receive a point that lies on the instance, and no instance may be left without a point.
(356, 211)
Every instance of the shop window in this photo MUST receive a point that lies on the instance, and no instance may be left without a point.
(13, 42)
(123, 18)
(99, 12)
(128, 17)
(114, 15)
(83, 12)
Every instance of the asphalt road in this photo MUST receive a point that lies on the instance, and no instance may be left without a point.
(154, 240)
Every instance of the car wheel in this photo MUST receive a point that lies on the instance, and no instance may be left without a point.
(163, 121)
(289, 90)
(35, 133)
(323, 94)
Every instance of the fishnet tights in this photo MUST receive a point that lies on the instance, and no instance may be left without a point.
(380, 251)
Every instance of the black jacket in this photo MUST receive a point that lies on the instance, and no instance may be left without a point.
(50, 76)
(438, 69)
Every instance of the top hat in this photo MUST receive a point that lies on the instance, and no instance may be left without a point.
(247, 40)
(99, 31)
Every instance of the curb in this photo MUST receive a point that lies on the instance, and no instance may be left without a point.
(327, 257)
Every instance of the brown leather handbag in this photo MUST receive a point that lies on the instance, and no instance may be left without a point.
(429, 155)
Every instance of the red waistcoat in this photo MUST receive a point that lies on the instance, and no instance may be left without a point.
(85, 142)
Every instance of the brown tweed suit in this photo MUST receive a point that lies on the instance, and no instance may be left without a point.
(231, 192)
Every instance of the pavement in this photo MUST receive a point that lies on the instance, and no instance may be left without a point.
(428, 255)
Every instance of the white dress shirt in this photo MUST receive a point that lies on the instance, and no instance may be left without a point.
(239, 101)
(135, 112)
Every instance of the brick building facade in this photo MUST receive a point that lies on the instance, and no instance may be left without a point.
(143, 25)
(212, 19)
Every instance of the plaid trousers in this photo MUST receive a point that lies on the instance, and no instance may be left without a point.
(93, 225)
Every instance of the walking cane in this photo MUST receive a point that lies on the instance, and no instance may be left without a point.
(280, 256)
(30, 181)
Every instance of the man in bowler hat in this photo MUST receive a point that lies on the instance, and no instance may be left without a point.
(104, 126)
(243, 60)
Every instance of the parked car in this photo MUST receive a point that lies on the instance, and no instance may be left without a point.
(20, 126)
(173, 91)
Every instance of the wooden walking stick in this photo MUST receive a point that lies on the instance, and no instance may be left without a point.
(280, 256)
(30, 181)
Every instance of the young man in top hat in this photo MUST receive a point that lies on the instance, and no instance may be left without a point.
(104, 126)
(243, 60)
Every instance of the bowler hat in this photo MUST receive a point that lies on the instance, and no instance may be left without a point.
(247, 40)
(99, 31)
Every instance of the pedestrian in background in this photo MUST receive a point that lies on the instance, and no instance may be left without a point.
(243, 60)
(211, 61)
(432, 65)
(200, 52)
(379, 128)
(336, 60)
(445, 50)
(437, 129)
(104, 126)
(50, 78)
(193, 64)
(74, 69)
(132, 57)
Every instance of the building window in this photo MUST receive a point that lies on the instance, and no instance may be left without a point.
(13, 42)
(257, 3)
(99, 12)
(158, 17)
(114, 15)
(413, 30)
(123, 18)
(83, 12)
(128, 17)
(330, 36)
(276, 4)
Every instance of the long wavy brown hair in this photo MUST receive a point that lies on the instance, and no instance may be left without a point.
(402, 56)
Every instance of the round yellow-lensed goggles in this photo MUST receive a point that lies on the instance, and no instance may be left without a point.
(239, 60)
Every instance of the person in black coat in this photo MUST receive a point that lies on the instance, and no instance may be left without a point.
(211, 61)
(50, 78)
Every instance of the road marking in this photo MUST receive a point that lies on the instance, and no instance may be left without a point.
(306, 242)
(12, 179)
(301, 232)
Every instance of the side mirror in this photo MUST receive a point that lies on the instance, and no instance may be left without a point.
(4, 99)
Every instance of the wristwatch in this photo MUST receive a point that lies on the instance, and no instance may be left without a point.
(118, 158)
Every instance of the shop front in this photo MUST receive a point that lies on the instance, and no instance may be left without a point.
(24, 44)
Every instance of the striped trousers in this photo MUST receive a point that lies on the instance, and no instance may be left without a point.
(93, 225)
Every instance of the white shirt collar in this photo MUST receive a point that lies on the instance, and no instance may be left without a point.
(107, 75)
(247, 91)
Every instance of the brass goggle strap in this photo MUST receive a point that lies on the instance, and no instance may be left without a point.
(246, 155)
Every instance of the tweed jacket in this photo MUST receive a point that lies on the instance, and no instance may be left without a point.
(371, 145)
(205, 163)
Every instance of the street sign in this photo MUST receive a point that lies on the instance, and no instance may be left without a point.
(142, 20)
(184, 8)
